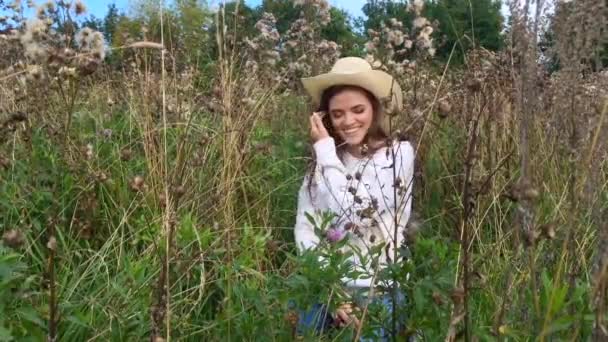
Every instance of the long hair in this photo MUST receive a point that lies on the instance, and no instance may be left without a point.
(375, 132)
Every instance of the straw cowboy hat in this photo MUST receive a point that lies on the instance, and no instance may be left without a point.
(358, 72)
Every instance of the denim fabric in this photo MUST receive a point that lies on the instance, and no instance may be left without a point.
(317, 319)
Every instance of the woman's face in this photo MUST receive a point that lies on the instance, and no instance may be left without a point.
(351, 115)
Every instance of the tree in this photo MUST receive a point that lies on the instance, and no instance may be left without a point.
(463, 22)
(467, 24)
(382, 10)
(94, 23)
(565, 43)
(110, 22)
(339, 30)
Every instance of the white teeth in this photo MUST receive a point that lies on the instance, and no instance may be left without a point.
(350, 131)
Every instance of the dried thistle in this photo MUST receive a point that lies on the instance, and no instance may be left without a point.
(52, 243)
(13, 238)
(137, 183)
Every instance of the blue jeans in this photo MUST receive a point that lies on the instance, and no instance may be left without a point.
(319, 320)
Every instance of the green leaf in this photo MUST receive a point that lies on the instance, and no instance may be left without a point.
(419, 300)
(5, 334)
(310, 218)
(30, 315)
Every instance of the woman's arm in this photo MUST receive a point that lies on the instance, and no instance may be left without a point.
(402, 188)
(304, 231)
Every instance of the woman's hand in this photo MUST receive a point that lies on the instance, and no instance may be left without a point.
(317, 129)
(345, 316)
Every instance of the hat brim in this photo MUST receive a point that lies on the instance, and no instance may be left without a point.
(377, 82)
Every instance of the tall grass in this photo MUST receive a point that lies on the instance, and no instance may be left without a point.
(156, 200)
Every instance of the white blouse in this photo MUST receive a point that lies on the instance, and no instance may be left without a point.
(361, 194)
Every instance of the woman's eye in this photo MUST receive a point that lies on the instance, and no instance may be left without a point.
(359, 110)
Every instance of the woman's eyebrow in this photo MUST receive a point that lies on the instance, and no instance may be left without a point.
(337, 110)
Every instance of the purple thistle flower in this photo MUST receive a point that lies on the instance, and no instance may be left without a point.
(335, 234)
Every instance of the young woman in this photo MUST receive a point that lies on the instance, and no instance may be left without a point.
(360, 175)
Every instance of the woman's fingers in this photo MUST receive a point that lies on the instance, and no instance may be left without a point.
(343, 316)
(313, 127)
(346, 315)
(321, 130)
(347, 307)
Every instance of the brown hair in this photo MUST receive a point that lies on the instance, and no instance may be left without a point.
(375, 132)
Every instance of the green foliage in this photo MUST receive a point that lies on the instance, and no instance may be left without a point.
(339, 30)
(461, 23)
(21, 319)
(467, 24)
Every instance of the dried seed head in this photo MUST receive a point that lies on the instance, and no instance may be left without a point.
(437, 298)
(101, 177)
(107, 133)
(52, 243)
(352, 190)
(87, 151)
(457, 295)
(444, 109)
(162, 200)
(530, 194)
(137, 184)
(474, 84)
(86, 231)
(4, 163)
(358, 175)
(179, 191)
(126, 154)
(548, 230)
(531, 237)
(18, 117)
(87, 66)
(372, 238)
(349, 226)
(13, 238)
(358, 200)
(349, 177)
(217, 92)
(79, 7)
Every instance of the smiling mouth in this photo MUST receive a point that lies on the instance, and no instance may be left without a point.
(351, 131)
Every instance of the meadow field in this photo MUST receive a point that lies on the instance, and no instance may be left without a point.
(150, 164)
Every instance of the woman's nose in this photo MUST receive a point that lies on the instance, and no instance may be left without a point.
(349, 119)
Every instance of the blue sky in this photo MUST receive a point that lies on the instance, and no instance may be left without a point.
(100, 7)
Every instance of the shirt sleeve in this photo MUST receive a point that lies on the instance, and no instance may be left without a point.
(333, 171)
(399, 208)
(304, 231)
